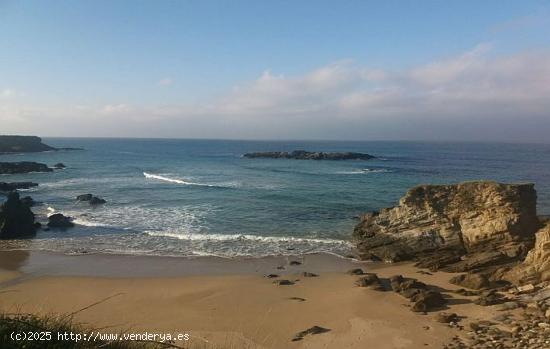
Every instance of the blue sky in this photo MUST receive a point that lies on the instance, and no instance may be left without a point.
(246, 69)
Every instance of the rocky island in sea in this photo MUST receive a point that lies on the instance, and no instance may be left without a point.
(25, 144)
(309, 155)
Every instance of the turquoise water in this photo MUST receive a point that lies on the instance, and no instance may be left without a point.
(200, 197)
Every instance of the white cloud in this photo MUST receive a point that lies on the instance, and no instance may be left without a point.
(165, 82)
(458, 97)
(7, 93)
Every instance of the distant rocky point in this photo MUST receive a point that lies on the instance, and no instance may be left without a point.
(308, 155)
(25, 144)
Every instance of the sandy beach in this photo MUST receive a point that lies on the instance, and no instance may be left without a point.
(225, 303)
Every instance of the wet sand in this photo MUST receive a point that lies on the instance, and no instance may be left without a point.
(225, 303)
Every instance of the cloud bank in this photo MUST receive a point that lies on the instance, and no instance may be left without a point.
(474, 96)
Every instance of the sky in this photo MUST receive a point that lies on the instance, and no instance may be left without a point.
(334, 70)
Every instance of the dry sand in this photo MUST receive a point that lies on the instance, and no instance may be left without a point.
(228, 303)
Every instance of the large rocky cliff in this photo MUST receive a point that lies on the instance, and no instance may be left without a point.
(461, 227)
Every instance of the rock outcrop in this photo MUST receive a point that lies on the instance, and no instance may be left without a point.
(308, 155)
(23, 144)
(469, 226)
(16, 219)
(536, 266)
(23, 167)
(7, 187)
(464, 217)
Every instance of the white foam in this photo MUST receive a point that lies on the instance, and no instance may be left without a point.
(365, 171)
(241, 237)
(175, 180)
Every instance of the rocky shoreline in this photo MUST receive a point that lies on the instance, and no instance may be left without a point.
(488, 231)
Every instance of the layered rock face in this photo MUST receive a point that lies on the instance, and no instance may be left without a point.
(536, 266)
(495, 221)
(22, 144)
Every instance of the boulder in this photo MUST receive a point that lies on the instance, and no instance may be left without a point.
(59, 166)
(438, 225)
(471, 280)
(16, 219)
(6, 187)
(309, 155)
(58, 220)
(23, 167)
(427, 301)
(369, 279)
(356, 271)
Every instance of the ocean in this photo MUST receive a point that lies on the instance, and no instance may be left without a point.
(201, 197)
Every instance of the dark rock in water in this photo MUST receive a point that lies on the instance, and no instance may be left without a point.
(58, 220)
(308, 155)
(16, 185)
(310, 331)
(97, 201)
(16, 219)
(23, 167)
(22, 144)
(84, 197)
(471, 280)
(92, 200)
(356, 271)
(295, 263)
(272, 276)
(427, 301)
(59, 166)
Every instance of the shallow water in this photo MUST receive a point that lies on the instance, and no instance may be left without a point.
(200, 197)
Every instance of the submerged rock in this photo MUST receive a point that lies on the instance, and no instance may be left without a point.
(58, 220)
(23, 167)
(91, 199)
(308, 155)
(16, 219)
(6, 187)
(59, 166)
